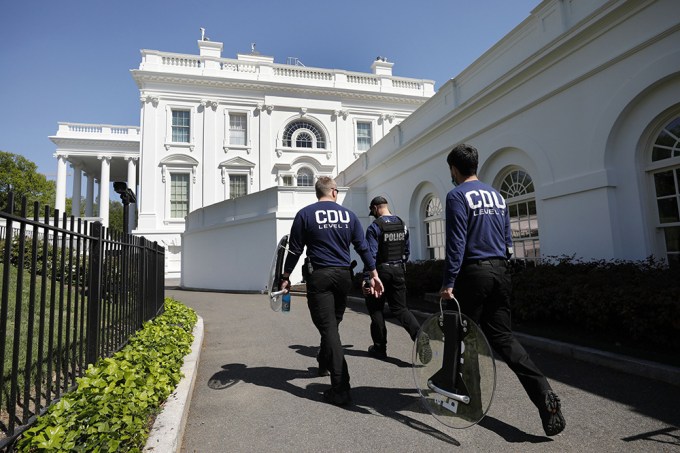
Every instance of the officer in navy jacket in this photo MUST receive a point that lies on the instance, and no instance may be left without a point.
(478, 245)
(388, 241)
(328, 229)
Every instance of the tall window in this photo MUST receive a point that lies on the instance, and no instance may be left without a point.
(518, 190)
(181, 126)
(303, 134)
(364, 135)
(179, 195)
(237, 129)
(434, 229)
(238, 185)
(305, 178)
(666, 173)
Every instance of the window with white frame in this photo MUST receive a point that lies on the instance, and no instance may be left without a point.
(665, 171)
(303, 134)
(238, 185)
(287, 180)
(434, 228)
(364, 135)
(179, 195)
(181, 126)
(305, 177)
(517, 188)
(238, 133)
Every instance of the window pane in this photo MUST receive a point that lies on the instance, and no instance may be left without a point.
(237, 129)
(179, 195)
(305, 178)
(672, 239)
(668, 210)
(664, 183)
(660, 153)
(237, 185)
(180, 126)
(304, 140)
(364, 136)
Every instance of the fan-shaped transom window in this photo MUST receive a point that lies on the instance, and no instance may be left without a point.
(518, 190)
(667, 143)
(667, 189)
(303, 134)
(305, 178)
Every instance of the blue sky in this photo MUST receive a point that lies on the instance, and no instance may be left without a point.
(69, 60)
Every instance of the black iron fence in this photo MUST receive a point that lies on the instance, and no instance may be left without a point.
(70, 292)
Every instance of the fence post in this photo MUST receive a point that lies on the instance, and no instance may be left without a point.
(94, 299)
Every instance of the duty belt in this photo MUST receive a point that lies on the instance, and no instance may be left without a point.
(491, 261)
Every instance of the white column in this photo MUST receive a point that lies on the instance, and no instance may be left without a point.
(77, 184)
(132, 185)
(60, 201)
(89, 197)
(104, 183)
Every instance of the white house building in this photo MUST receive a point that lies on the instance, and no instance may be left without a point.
(215, 129)
(576, 114)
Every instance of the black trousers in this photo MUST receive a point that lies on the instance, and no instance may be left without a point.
(483, 290)
(394, 280)
(327, 299)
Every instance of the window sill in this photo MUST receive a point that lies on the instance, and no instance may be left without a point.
(245, 148)
(169, 145)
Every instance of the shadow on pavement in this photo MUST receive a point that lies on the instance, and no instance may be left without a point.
(367, 400)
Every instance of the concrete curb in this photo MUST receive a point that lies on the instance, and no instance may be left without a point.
(630, 365)
(167, 431)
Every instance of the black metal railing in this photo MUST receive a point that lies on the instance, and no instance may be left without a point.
(70, 293)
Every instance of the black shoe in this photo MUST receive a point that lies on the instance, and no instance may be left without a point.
(337, 398)
(424, 349)
(551, 414)
(378, 353)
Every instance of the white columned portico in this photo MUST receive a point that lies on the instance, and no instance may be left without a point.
(104, 184)
(89, 196)
(132, 185)
(77, 184)
(60, 202)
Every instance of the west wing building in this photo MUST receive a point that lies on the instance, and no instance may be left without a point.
(576, 114)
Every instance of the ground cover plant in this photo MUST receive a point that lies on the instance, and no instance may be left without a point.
(115, 401)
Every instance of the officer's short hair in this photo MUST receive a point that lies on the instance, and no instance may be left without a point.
(324, 185)
(465, 158)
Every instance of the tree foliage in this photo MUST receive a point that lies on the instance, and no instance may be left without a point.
(21, 176)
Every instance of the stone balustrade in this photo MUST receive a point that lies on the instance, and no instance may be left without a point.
(180, 64)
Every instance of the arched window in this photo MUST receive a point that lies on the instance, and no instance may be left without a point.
(434, 228)
(518, 190)
(665, 169)
(303, 134)
(305, 178)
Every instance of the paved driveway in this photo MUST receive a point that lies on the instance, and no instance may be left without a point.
(257, 391)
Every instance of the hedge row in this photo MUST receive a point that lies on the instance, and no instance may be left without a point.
(633, 302)
(111, 409)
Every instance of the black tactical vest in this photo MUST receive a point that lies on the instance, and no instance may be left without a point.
(391, 242)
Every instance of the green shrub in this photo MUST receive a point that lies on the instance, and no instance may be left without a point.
(112, 406)
(631, 302)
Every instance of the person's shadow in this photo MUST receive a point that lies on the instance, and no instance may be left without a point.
(386, 402)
